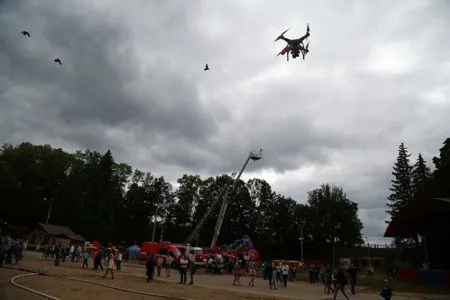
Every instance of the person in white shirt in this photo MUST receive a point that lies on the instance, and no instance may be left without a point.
(119, 260)
(183, 269)
(285, 273)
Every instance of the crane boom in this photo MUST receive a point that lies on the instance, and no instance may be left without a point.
(208, 212)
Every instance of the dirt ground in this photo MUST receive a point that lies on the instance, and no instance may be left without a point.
(132, 278)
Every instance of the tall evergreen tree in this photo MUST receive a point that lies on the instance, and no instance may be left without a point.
(401, 184)
(421, 175)
(441, 176)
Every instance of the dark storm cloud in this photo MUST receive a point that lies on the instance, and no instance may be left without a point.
(98, 83)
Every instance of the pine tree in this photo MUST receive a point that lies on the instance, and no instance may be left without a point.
(421, 175)
(401, 184)
(441, 176)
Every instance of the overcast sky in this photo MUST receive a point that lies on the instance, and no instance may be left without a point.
(132, 80)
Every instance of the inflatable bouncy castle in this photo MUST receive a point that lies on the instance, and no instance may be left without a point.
(242, 247)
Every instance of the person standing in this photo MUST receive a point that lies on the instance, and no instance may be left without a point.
(150, 266)
(285, 273)
(386, 291)
(274, 277)
(237, 273)
(278, 273)
(183, 269)
(269, 272)
(159, 263)
(252, 273)
(85, 260)
(169, 261)
(110, 264)
(192, 270)
(119, 260)
(352, 272)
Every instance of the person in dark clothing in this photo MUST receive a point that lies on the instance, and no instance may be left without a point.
(98, 261)
(192, 270)
(328, 281)
(341, 278)
(312, 277)
(352, 272)
(150, 267)
(269, 271)
(386, 291)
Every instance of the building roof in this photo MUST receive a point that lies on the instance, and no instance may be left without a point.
(61, 231)
(411, 219)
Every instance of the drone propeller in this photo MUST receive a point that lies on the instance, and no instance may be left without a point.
(305, 51)
(281, 35)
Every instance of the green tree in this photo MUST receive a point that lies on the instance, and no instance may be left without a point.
(421, 175)
(333, 217)
(401, 189)
(441, 176)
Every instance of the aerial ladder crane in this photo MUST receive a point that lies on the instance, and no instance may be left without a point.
(224, 196)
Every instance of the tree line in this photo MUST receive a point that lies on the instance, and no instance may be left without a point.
(418, 182)
(110, 201)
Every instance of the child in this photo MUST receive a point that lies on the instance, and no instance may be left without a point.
(386, 291)
(252, 273)
(85, 259)
(237, 273)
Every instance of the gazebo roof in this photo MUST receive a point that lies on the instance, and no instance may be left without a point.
(411, 219)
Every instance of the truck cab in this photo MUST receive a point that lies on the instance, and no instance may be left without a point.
(159, 250)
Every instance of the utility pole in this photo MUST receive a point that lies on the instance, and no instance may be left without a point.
(302, 223)
(154, 223)
(334, 255)
(162, 233)
(368, 251)
(223, 208)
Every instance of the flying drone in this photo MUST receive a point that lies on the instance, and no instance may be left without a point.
(295, 46)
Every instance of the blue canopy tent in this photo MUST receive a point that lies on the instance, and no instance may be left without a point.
(133, 252)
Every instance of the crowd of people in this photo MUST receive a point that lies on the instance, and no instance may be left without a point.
(277, 273)
(11, 251)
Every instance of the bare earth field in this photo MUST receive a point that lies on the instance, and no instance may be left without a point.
(132, 278)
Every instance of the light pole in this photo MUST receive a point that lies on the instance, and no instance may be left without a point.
(302, 223)
(50, 204)
(334, 255)
(162, 233)
(368, 251)
(252, 156)
(336, 228)
(154, 223)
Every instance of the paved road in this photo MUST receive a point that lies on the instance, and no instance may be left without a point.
(10, 292)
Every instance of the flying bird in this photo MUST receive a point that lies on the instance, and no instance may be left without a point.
(58, 61)
(206, 67)
(26, 33)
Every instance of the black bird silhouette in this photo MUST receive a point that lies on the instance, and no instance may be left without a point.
(25, 33)
(206, 68)
(57, 60)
